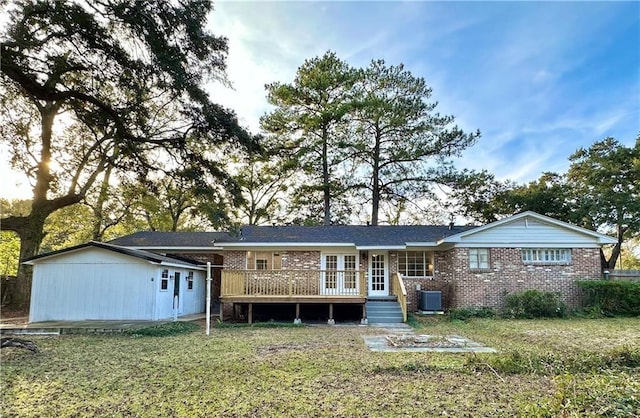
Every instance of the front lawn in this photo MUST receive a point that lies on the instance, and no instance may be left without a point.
(544, 368)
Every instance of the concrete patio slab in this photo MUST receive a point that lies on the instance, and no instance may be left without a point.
(84, 327)
(424, 344)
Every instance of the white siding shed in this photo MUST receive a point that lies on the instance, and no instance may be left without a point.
(98, 281)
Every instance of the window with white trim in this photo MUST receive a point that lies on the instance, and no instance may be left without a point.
(190, 280)
(264, 260)
(164, 280)
(415, 263)
(478, 258)
(546, 255)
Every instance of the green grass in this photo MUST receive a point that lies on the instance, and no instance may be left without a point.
(570, 367)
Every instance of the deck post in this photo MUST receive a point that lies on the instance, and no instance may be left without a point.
(250, 314)
(331, 321)
(364, 320)
(297, 320)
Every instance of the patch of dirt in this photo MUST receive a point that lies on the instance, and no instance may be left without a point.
(285, 348)
(431, 341)
(13, 316)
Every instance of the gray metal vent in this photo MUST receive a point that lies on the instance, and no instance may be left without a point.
(431, 300)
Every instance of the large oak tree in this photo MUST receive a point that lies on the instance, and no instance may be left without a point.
(88, 85)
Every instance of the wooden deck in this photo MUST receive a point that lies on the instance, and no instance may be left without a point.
(292, 299)
(246, 288)
(294, 286)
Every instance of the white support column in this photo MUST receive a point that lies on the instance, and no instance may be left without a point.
(208, 297)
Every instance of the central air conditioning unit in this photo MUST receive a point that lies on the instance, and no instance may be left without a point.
(431, 300)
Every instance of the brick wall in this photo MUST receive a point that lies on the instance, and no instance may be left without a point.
(426, 283)
(508, 274)
(235, 260)
(300, 260)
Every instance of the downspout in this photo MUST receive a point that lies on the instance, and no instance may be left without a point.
(208, 296)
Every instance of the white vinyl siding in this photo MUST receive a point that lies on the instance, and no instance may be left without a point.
(528, 233)
(546, 256)
(478, 258)
(98, 284)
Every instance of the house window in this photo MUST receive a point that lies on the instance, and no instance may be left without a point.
(190, 281)
(415, 263)
(478, 258)
(264, 260)
(164, 280)
(546, 256)
(331, 274)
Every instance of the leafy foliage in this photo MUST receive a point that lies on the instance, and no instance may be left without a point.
(399, 138)
(612, 297)
(599, 191)
(308, 118)
(533, 304)
(9, 253)
(88, 87)
(605, 180)
(361, 136)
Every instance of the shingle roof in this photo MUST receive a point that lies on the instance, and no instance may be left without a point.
(145, 255)
(173, 239)
(358, 235)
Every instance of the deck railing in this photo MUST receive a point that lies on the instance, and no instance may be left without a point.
(398, 289)
(293, 283)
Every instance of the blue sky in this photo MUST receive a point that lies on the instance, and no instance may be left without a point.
(539, 79)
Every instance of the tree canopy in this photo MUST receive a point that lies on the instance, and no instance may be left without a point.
(599, 191)
(88, 85)
(361, 135)
(309, 118)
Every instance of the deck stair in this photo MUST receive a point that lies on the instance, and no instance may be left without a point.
(383, 310)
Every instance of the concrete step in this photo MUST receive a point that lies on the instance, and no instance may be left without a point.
(384, 307)
(394, 317)
(390, 298)
(384, 312)
(384, 320)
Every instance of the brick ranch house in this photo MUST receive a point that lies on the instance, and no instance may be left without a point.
(295, 266)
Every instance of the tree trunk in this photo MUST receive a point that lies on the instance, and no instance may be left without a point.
(615, 251)
(375, 198)
(98, 232)
(326, 189)
(31, 236)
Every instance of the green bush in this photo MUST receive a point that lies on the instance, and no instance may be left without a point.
(466, 313)
(612, 297)
(533, 303)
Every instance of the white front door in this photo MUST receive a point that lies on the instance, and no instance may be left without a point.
(378, 274)
(339, 275)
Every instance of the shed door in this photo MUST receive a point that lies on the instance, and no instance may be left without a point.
(176, 292)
